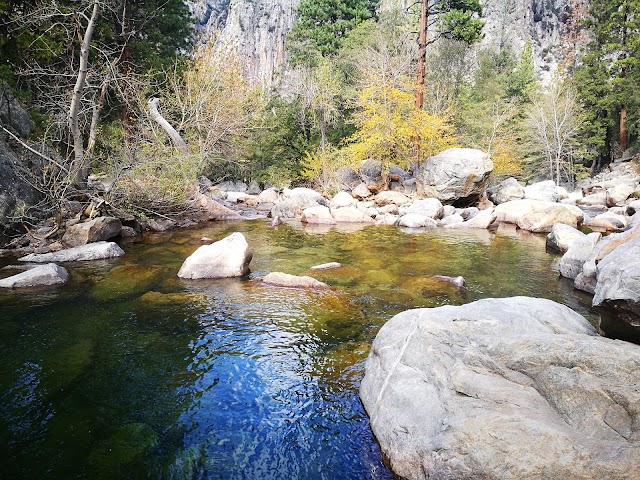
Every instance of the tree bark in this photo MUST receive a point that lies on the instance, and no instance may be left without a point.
(81, 167)
(95, 116)
(157, 117)
(623, 129)
(422, 51)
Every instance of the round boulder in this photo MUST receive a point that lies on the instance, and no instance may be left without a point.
(458, 176)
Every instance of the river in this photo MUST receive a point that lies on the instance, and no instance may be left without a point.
(130, 372)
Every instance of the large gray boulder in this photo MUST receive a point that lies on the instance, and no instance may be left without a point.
(49, 274)
(91, 251)
(514, 388)
(455, 176)
(229, 257)
(96, 230)
(618, 281)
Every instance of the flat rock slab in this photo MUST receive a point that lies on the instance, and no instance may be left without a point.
(514, 388)
(91, 251)
(49, 274)
(293, 281)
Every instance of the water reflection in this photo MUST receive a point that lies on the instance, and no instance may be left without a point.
(129, 371)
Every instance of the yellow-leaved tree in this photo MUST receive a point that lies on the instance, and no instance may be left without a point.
(193, 126)
(388, 126)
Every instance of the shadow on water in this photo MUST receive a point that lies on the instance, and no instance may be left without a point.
(128, 371)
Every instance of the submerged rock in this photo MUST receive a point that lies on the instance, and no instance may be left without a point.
(229, 257)
(91, 251)
(326, 266)
(457, 281)
(294, 281)
(510, 388)
(49, 274)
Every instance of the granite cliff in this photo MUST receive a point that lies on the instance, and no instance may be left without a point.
(259, 28)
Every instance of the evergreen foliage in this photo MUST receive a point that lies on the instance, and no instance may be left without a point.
(322, 26)
(608, 77)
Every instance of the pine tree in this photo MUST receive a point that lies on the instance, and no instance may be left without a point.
(608, 77)
(322, 25)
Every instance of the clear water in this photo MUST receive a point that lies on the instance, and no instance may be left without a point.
(129, 372)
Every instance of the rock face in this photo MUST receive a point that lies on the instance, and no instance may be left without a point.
(258, 28)
(49, 274)
(618, 285)
(293, 281)
(515, 388)
(91, 251)
(457, 175)
(14, 191)
(96, 230)
(229, 257)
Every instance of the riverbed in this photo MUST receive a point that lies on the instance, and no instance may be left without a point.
(130, 372)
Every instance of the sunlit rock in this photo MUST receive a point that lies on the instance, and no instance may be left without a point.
(350, 215)
(342, 199)
(228, 257)
(546, 191)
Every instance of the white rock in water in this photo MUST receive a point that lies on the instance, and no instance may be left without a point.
(229, 257)
(49, 274)
(325, 266)
(280, 279)
(90, 251)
